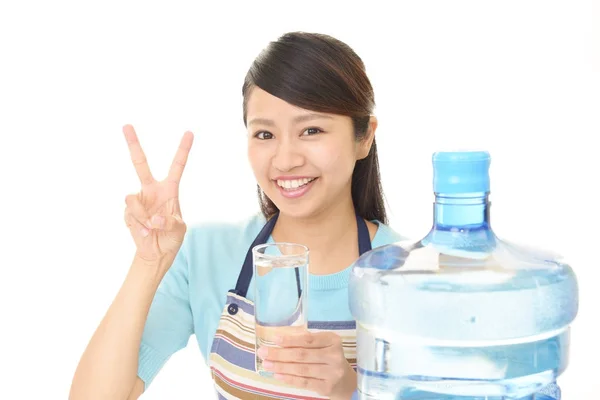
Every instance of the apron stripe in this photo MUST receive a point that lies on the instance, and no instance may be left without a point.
(226, 336)
(240, 324)
(261, 388)
(240, 357)
(220, 396)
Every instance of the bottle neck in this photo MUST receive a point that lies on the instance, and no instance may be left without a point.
(452, 211)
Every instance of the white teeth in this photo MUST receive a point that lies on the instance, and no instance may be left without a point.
(293, 183)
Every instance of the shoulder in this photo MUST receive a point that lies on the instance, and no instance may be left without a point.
(228, 233)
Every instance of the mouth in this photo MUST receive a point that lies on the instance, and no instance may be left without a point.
(294, 188)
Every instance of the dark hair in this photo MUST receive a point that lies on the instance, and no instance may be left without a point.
(320, 73)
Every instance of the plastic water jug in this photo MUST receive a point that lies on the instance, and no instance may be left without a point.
(461, 314)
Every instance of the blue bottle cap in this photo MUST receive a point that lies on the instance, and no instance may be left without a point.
(461, 172)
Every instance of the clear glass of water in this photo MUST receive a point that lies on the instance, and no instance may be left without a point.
(280, 289)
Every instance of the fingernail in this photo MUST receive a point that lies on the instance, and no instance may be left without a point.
(262, 352)
(144, 232)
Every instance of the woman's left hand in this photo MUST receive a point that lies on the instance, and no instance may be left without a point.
(313, 361)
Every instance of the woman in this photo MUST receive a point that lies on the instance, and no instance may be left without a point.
(311, 143)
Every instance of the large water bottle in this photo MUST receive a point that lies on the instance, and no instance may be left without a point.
(461, 314)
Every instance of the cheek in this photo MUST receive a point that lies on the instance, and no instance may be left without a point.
(336, 160)
(259, 162)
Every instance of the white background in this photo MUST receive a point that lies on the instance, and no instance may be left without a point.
(518, 78)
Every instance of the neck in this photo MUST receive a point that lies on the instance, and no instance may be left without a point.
(469, 211)
(325, 233)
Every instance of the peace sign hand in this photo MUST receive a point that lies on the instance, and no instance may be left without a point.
(153, 215)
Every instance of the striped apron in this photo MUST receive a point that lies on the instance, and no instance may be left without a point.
(233, 353)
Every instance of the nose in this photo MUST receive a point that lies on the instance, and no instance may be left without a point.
(287, 156)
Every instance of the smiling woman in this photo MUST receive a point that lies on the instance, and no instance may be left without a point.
(308, 110)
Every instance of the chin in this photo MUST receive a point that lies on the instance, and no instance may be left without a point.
(299, 212)
(300, 207)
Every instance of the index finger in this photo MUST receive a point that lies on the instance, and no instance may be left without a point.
(137, 156)
(181, 157)
(315, 340)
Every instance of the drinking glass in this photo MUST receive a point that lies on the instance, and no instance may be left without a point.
(280, 289)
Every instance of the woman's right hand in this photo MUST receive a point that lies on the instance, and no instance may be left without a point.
(153, 215)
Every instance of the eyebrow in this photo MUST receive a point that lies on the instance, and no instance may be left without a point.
(295, 120)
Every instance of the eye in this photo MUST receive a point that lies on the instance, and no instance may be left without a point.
(263, 135)
(312, 131)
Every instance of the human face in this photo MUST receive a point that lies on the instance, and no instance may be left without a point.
(302, 160)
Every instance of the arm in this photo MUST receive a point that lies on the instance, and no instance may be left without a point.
(138, 389)
(149, 320)
(150, 317)
(108, 367)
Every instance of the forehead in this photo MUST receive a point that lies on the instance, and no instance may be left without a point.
(263, 105)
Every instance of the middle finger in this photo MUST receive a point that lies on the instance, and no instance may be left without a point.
(298, 369)
(294, 354)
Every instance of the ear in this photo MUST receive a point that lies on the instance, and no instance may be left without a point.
(364, 146)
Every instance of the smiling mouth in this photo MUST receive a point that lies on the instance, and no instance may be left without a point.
(293, 184)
